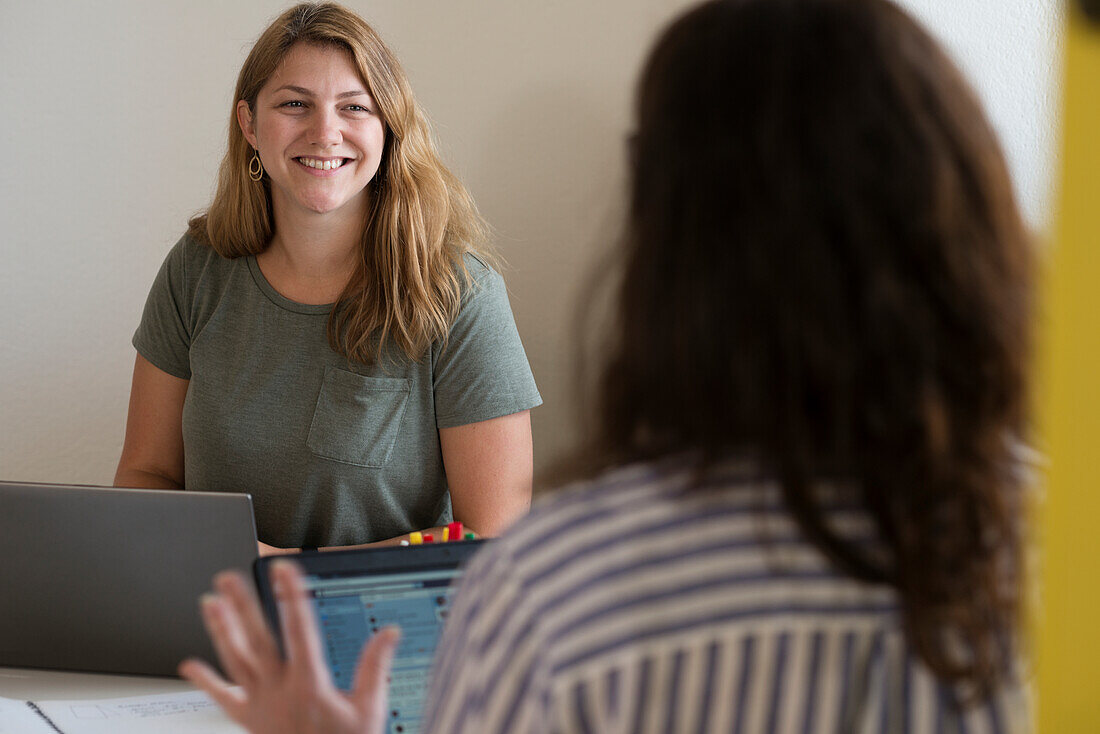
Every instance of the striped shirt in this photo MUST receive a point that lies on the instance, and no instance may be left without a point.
(635, 604)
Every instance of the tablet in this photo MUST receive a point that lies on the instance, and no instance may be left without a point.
(357, 592)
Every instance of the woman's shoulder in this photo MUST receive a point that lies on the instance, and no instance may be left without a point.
(200, 256)
(190, 250)
(481, 285)
(673, 496)
(603, 504)
(667, 479)
(193, 267)
(479, 270)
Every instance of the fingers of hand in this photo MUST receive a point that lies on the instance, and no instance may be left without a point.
(299, 624)
(206, 679)
(234, 587)
(230, 643)
(371, 687)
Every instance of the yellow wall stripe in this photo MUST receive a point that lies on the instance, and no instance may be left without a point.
(1068, 634)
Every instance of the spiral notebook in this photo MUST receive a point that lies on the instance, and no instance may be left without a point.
(191, 712)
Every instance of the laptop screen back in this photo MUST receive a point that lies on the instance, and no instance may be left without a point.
(108, 580)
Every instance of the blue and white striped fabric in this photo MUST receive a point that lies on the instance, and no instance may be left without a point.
(631, 605)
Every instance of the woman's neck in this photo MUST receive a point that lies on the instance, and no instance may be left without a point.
(311, 258)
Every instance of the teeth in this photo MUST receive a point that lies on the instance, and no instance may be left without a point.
(322, 165)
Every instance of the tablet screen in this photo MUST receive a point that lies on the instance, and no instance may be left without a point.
(357, 593)
(350, 610)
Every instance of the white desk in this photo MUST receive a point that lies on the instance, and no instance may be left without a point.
(103, 703)
(41, 685)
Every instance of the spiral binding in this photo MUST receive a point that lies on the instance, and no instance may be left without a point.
(34, 707)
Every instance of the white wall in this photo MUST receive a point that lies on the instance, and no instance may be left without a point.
(114, 120)
(1011, 51)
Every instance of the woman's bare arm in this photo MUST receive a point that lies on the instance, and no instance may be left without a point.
(489, 468)
(152, 453)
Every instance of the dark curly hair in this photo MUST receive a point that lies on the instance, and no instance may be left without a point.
(825, 266)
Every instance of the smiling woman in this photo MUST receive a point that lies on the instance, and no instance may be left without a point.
(330, 335)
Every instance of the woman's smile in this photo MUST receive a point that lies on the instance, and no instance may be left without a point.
(322, 165)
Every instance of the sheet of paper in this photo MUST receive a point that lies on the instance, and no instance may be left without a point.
(176, 713)
(16, 717)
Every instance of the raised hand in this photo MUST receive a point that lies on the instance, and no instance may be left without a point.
(295, 695)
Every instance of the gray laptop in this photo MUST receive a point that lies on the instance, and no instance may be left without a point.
(108, 580)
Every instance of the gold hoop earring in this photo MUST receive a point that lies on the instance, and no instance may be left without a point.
(255, 167)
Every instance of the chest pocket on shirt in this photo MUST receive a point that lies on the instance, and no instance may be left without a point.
(357, 418)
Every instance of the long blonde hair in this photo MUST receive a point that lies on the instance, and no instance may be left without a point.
(409, 279)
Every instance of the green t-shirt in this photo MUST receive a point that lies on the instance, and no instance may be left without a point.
(332, 452)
